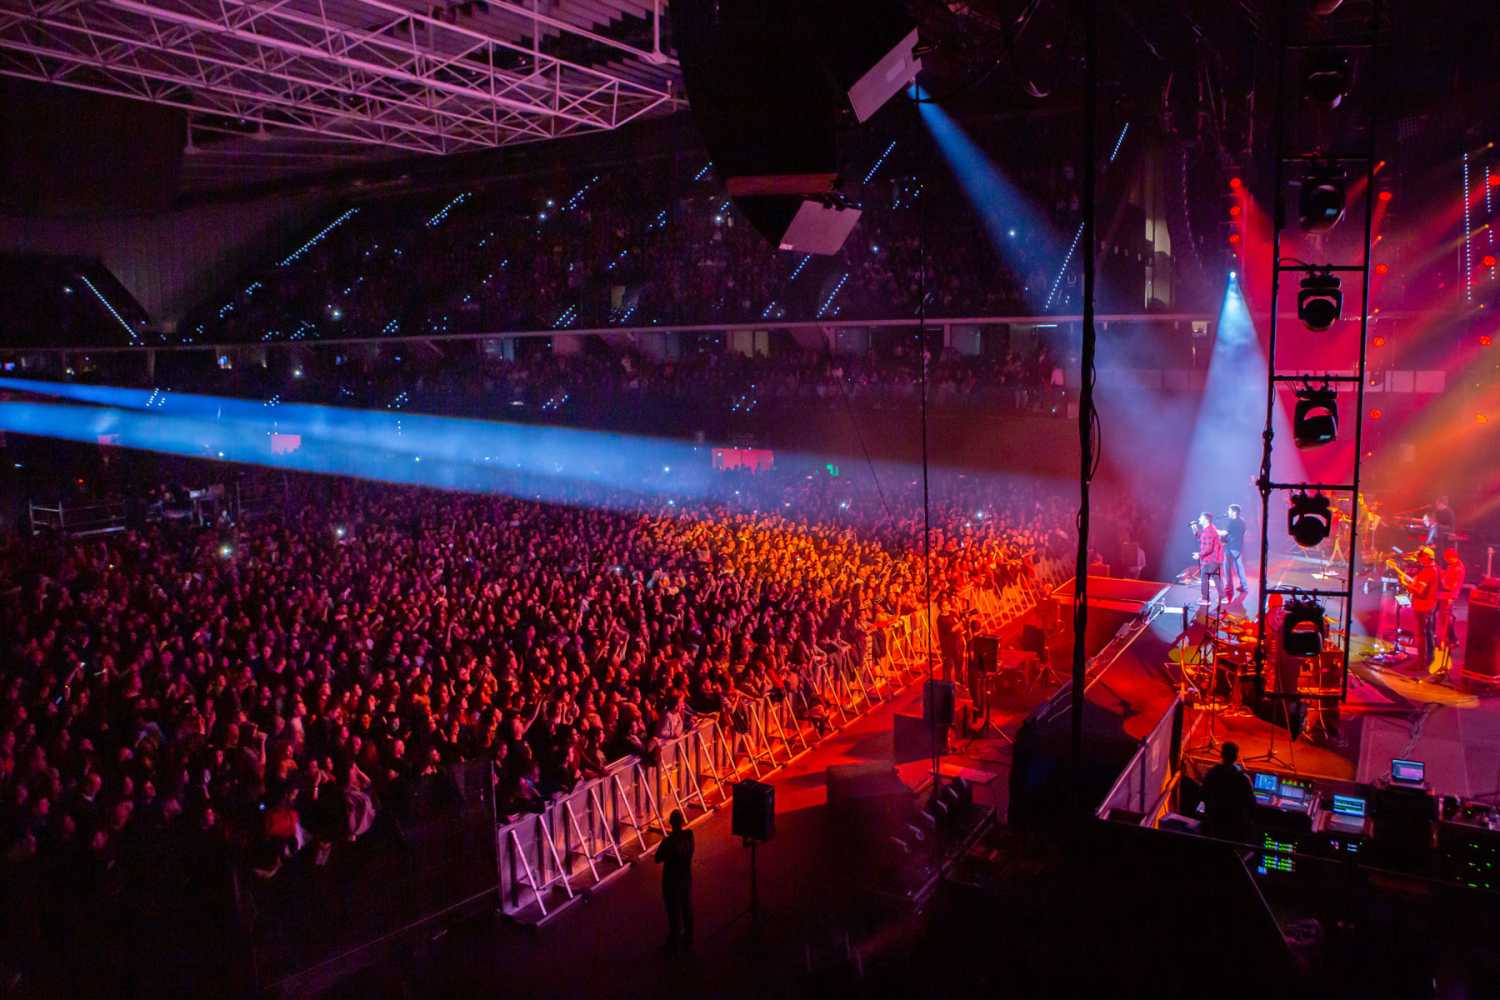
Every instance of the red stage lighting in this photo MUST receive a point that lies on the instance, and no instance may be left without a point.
(1379, 341)
(1234, 239)
(1494, 180)
(1234, 211)
(1488, 260)
(1385, 196)
(1376, 414)
(1480, 418)
(1382, 269)
(1485, 340)
(1235, 183)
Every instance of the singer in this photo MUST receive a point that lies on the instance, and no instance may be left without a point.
(1210, 555)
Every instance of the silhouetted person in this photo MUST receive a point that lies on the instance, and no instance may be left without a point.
(1228, 800)
(675, 855)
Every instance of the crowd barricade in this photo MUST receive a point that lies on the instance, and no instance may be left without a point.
(585, 837)
(77, 520)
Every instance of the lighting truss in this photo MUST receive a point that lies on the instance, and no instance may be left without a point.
(378, 72)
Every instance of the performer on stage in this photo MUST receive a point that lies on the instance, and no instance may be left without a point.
(1234, 546)
(1450, 583)
(1423, 588)
(1210, 555)
(1444, 525)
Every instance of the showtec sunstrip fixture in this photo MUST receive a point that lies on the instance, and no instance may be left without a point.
(1310, 519)
(1320, 301)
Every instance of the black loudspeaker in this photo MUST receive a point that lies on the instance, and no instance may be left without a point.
(937, 703)
(1482, 648)
(912, 739)
(769, 81)
(986, 653)
(754, 812)
(1034, 640)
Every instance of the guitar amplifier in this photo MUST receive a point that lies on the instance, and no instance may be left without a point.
(1482, 649)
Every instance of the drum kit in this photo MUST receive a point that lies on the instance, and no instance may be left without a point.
(1222, 675)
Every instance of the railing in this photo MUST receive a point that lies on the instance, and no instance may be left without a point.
(1143, 787)
(598, 829)
(77, 519)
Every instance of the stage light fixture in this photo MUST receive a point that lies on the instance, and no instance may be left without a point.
(1310, 519)
(1320, 300)
(1321, 204)
(1304, 627)
(1327, 78)
(1316, 419)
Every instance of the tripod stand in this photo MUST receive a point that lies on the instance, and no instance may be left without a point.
(1270, 756)
(987, 728)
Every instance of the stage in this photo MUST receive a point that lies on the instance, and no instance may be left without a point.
(1390, 711)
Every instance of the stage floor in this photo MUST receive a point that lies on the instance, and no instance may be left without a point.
(1390, 712)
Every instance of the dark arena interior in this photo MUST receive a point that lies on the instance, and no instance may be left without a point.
(749, 498)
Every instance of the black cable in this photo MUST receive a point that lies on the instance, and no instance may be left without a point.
(860, 435)
(926, 497)
(1086, 415)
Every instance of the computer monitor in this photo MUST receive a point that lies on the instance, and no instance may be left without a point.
(1349, 805)
(1408, 772)
(1292, 792)
(1263, 781)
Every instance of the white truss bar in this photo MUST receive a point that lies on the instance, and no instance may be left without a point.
(365, 71)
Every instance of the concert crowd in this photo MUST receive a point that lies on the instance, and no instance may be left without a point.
(256, 690)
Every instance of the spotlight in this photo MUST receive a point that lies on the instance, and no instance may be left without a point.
(1303, 628)
(1322, 200)
(225, 551)
(1320, 301)
(1327, 78)
(1234, 275)
(1316, 420)
(1310, 519)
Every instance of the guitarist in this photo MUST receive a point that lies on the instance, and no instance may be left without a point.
(1423, 588)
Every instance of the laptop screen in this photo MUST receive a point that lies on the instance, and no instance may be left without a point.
(1408, 772)
(1263, 781)
(1349, 805)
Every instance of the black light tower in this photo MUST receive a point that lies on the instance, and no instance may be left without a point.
(1328, 64)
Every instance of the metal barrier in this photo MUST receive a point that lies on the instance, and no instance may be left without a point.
(78, 520)
(594, 832)
(1143, 787)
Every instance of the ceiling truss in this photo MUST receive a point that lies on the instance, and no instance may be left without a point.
(374, 72)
